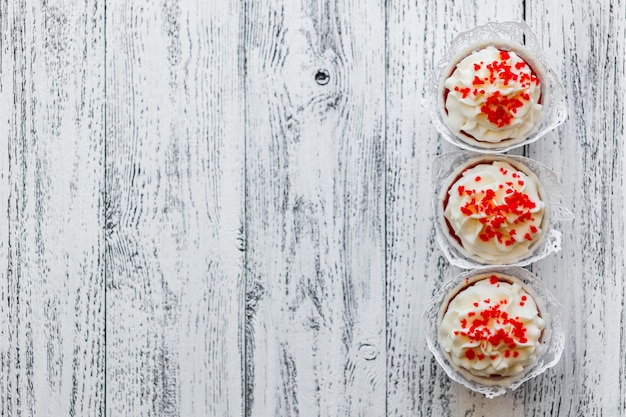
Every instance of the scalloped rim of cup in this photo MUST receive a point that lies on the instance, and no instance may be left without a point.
(448, 166)
(553, 335)
(554, 110)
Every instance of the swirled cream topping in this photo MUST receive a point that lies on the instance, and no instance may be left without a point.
(492, 328)
(496, 212)
(493, 95)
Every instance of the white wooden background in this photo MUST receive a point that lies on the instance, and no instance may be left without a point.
(193, 226)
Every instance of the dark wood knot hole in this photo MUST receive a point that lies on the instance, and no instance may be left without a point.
(322, 77)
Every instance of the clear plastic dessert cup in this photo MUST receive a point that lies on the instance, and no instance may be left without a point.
(507, 36)
(543, 352)
(447, 171)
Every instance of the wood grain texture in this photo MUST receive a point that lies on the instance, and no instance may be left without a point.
(174, 149)
(587, 40)
(315, 338)
(238, 194)
(51, 232)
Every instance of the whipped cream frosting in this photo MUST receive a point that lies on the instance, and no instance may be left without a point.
(496, 212)
(493, 95)
(492, 328)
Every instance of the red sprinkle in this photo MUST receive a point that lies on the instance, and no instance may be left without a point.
(498, 108)
(495, 213)
(464, 91)
(493, 280)
(492, 326)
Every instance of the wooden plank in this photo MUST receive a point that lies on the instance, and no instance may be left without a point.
(418, 35)
(315, 210)
(174, 186)
(586, 41)
(52, 229)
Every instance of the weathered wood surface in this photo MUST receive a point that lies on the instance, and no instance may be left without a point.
(51, 230)
(315, 331)
(237, 194)
(174, 192)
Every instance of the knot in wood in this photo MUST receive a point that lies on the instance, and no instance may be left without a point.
(322, 77)
(368, 352)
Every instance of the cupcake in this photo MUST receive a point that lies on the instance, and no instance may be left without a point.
(493, 329)
(493, 96)
(494, 210)
(493, 90)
